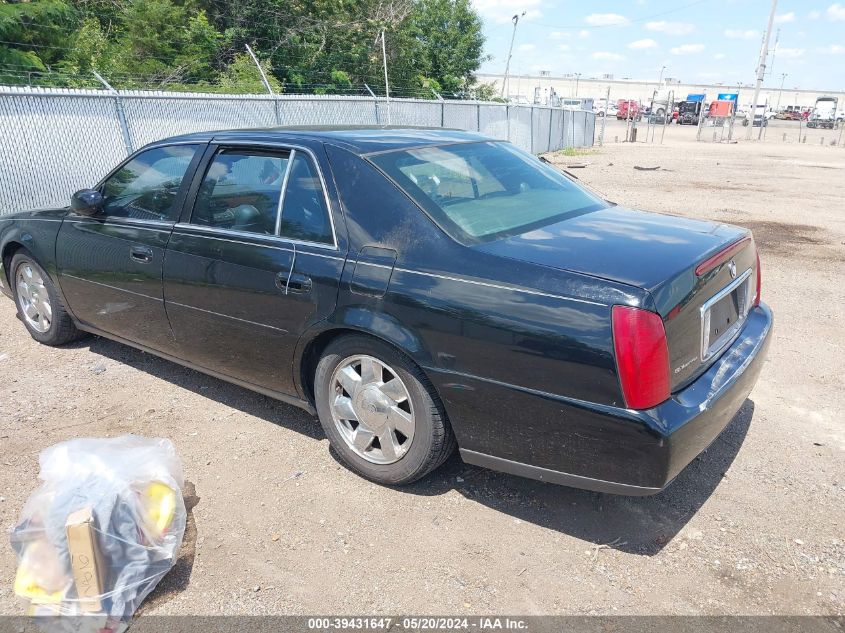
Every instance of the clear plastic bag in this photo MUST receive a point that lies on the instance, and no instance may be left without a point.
(102, 530)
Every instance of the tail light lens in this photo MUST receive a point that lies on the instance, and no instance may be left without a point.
(759, 282)
(642, 356)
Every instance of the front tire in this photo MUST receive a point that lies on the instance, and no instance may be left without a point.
(380, 412)
(39, 305)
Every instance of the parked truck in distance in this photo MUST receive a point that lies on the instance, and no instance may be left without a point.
(824, 113)
(690, 109)
(628, 109)
(760, 115)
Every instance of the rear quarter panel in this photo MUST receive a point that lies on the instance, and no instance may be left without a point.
(480, 326)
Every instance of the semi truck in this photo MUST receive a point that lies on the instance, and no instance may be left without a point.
(760, 116)
(824, 113)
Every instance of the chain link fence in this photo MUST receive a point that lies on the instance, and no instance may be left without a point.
(56, 141)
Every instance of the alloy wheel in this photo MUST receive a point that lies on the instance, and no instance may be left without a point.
(372, 409)
(33, 298)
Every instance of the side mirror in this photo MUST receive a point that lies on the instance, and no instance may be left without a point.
(86, 202)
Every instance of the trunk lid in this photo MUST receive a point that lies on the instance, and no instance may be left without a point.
(658, 253)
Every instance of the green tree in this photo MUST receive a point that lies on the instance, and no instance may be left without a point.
(242, 76)
(38, 32)
(306, 45)
(451, 41)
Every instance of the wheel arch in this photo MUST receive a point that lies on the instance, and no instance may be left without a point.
(380, 326)
(10, 248)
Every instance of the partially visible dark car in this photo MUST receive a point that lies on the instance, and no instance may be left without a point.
(414, 288)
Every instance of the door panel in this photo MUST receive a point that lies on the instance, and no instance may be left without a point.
(228, 305)
(108, 286)
(240, 283)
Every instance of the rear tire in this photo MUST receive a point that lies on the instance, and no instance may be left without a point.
(40, 307)
(380, 412)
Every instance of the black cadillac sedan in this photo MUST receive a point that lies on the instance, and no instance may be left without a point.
(416, 289)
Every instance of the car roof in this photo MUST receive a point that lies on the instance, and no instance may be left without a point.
(364, 139)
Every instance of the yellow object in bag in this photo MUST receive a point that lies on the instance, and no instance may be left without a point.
(40, 577)
(160, 504)
(26, 586)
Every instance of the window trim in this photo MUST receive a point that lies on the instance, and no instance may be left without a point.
(214, 147)
(184, 187)
(283, 193)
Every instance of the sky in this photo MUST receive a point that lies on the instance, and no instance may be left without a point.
(703, 41)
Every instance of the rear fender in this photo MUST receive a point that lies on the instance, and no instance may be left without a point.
(363, 320)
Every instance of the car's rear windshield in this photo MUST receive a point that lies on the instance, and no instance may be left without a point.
(479, 192)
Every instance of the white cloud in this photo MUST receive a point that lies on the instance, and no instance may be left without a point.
(670, 28)
(814, 15)
(836, 11)
(583, 34)
(608, 57)
(564, 47)
(502, 11)
(559, 35)
(790, 53)
(687, 49)
(605, 19)
(641, 45)
(833, 49)
(719, 56)
(526, 48)
(783, 18)
(739, 34)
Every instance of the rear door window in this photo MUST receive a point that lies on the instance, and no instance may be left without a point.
(305, 215)
(242, 191)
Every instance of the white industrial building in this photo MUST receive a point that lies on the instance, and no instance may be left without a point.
(526, 87)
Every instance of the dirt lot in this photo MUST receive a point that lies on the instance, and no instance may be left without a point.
(756, 525)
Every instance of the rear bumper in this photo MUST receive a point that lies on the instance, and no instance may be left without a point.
(609, 449)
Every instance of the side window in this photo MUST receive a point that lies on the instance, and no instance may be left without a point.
(146, 187)
(304, 212)
(242, 191)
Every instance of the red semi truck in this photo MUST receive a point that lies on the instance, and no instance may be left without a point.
(628, 109)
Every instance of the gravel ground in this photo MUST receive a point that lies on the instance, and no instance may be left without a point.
(754, 526)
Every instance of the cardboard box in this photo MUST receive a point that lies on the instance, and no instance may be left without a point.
(85, 558)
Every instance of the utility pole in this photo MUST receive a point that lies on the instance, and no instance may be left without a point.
(774, 52)
(515, 20)
(260, 69)
(660, 80)
(761, 72)
(782, 79)
(577, 79)
(386, 84)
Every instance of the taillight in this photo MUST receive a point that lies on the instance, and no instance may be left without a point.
(759, 282)
(642, 356)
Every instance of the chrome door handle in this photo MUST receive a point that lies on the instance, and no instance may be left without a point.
(141, 254)
(295, 282)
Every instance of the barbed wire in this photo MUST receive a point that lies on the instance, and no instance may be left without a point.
(140, 82)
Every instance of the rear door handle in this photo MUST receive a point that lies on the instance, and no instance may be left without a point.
(293, 282)
(141, 254)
